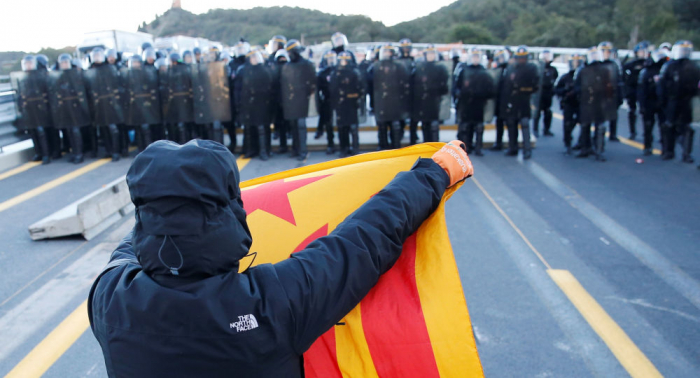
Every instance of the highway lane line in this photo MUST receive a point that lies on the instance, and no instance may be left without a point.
(511, 223)
(647, 255)
(40, 359)
(20, 169)
(53, 346)
(623, 140)
(624, 349)
(52, 184)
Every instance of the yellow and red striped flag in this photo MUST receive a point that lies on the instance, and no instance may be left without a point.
(414, 322)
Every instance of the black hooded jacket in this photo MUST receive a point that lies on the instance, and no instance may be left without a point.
(171, 302)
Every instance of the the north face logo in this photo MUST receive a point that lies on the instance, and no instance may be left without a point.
(245, 323)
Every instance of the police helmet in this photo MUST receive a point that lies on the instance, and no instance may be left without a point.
(187, 57)
(149, 53)
(281, 54)
(97, 55)
(576, 61)
(546, 56)
(430, 54)
(405, 46)
(339, 39)
(344, 59)
(593, 55)
(331, 58)
(65, 62)
(682, 49)
(135, 62)
(29, 63)
(386, 52)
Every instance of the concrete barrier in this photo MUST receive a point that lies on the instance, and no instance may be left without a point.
(89, 215)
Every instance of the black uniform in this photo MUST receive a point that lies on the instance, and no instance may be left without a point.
(232, 126)
(298, 84)
(649, 104)
(253, 94)
(630, 76)
(520, 81)
(568, 102)
(500, 121)
(429, 84)
(34, 114)
(104, 96)
(473, 87)
(678, 84)
(549, 77)
(598, 89)
(619, 88)
(325, 109)
(281, 124)
(346, 92)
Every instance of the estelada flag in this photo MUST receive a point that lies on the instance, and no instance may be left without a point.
(414, 322)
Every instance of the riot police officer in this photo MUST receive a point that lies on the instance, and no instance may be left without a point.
(608, 58)
(519, 82)
(33, 106)
(649, 105)
(253, 92)
(325, 110)
(549, 77)
(142, 100)
(281, 126)
(149, 56)
(473, 86)
(500, 60)
(630, 75)
(241, 51)
(430, 82)
(597, 85)
(456, 57)
(678, 84)
(568, 99)
(392, 96)
(346, 91)
(298, 84)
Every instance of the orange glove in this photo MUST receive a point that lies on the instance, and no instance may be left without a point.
(453, 158)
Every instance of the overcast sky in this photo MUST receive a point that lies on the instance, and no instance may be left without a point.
(28, 25)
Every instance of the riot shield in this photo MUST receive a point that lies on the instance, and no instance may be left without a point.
(255, 95)
(31, 99)
(430, 80)
(598, 94)
(298, 83)
(346, 91)
(211, 92)
(104, 95)
(446, 101)
(688, 80)
(535, 97)
(362, 109)
(490, 107)
(68, 99)
(141, 97)
(391, 91)
(176, 94)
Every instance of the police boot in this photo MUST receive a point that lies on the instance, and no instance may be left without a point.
(344, 140)
(217, 132)
(281, 129)
(124, 140)
(262, 142)
(292, 131)
(613, 131)
(94, 146)
(396, 134)
(479, 139)
(43, 145)
(37, 147)
(250, 141)
(688, 145)
(414, 131)
(182, 133)
(527, 147)
(669, 141)
(355, 130)
(434, 131)
(548, 123)
(144, 136)
(302, 135)
(632, 120)
(536, 125)
(498, 144)
(113, 141)
(383, 138)
(600, 143)
(54, 139)
(76, 142)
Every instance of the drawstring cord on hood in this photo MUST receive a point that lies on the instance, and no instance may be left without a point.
(254, 254)
(173, 270)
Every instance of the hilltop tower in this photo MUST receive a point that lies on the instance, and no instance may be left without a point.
(176, 5)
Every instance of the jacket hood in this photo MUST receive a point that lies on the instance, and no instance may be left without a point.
(190, 221)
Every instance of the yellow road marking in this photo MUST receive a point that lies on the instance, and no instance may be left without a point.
(40, 359)
(624, 349)
(512, 224)
(53, 346)
(19, 169)
(51, 184)
(242, 162)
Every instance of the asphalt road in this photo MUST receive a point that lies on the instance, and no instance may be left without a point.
(626, 232)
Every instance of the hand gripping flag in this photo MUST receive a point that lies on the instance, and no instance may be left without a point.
(414, 322)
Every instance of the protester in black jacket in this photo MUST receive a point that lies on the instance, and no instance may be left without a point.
(171, 301)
